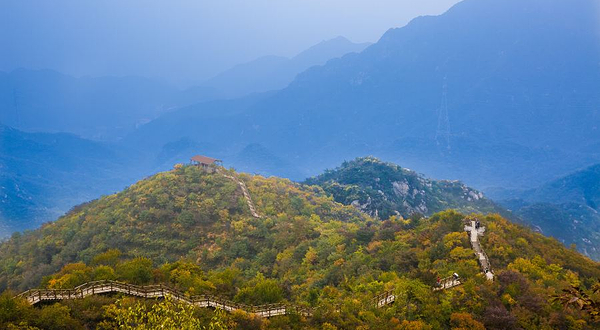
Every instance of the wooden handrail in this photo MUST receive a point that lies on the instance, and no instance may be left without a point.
(34, 296)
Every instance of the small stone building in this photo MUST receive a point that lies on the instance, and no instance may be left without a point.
(206, 163)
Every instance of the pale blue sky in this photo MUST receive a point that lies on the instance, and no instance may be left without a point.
(185, 40)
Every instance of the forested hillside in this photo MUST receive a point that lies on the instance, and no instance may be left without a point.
(385, 189)
(193, 230)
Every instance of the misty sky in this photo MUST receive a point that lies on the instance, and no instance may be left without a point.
(185, 41)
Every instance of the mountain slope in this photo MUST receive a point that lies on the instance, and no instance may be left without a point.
(384, 189)
(102, 108)
(566, 208)
(581, 187)
(192, 229)
(43, 175)
(276, 72)
(520, 109)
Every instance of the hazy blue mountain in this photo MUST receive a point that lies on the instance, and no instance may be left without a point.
(218, 126)
(102, 108)
(276, 72)
(520, 109)
(581, 187)
(108, 108)
(255, 158)
(567, 208)
(43, 175)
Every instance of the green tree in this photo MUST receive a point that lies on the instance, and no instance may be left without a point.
(167, 314)
(137, 271)
(260, 291)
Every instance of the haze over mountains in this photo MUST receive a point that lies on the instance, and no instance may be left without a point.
(276, 72)
(315, 207)
(45, 174)
(109, 108)
(518, 111)
(566, 208)
(42, 175)
(521, 111)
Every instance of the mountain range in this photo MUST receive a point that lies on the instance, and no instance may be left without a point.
(109, 108)
(480, 93)
(566, 208)
(193, 230)
(276, 72)
(42, 175)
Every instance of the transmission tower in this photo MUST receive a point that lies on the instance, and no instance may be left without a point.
(442, 134)
(16, 106)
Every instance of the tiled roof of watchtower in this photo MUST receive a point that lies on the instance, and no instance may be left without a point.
(204, 160)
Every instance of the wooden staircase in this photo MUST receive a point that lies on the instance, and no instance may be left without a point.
(447, 283)
(36, 296)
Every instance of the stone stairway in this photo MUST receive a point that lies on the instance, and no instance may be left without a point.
(245, 192)
(484, 261)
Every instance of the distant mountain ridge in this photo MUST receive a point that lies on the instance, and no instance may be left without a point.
(582, 187)
(43, 175)
(276, 72)
(108, 108)
(102, 108)
(566, 208)
(520, 110)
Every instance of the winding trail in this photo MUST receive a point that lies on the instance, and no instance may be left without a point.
(35, 296)
(159, 291)
(244, 191)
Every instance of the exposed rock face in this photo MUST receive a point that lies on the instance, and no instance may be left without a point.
(400, 188)
(383, 189)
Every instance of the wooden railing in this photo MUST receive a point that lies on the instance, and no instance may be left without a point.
(383, 299)
(447, 283)
(35, 296)
(158, 291)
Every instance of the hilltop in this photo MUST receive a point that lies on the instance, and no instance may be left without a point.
(384, 189)
(194, 230)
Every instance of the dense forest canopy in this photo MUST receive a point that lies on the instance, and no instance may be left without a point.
(193, 230)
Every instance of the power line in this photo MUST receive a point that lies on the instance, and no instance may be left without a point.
(442, 134)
